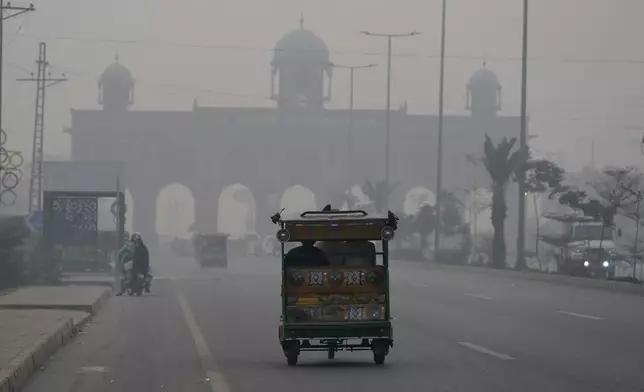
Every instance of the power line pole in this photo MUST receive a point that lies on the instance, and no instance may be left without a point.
(43, 80)
(523, 142)
(351, 69)
(388, 112)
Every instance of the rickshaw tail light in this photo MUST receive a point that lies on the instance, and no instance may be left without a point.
(387, 233)
(283, 235)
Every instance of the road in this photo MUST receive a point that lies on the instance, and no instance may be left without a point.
(216, 330)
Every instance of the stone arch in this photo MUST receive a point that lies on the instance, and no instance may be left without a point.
(237, 208)
(298, 198)
(415, 198)
(175, 211)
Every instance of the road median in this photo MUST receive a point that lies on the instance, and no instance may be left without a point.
(554, 279)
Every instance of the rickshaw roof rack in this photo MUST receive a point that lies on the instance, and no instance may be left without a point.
(330, 216)
(332, 213)
(569, 217)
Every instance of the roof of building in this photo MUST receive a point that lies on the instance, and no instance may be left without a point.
(116, 72)
(300, 45)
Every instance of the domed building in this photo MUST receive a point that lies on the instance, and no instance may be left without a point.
(484, 93)
(116, 87)
(300, 64)
(298, 142)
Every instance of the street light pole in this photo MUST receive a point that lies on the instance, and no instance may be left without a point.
(439, 155)
(351, 69)
(520, 264)
(389, 37)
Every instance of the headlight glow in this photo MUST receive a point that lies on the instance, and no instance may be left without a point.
(586, 263)
(605, 264)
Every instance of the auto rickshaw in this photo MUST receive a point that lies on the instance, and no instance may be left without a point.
(343, 306)
(211, 249)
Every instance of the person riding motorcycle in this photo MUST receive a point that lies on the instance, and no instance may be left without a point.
(141, 258)
(136, 252)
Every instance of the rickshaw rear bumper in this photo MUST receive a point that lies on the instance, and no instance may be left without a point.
(353, 330)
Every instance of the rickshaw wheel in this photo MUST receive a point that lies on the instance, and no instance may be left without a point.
(292, 352)
(291, 357)
(379, 359)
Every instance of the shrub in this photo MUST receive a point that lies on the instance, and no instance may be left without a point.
(13, 234)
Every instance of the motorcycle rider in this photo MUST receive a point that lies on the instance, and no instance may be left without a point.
(141, 259)
(136, 252)
(125, 255)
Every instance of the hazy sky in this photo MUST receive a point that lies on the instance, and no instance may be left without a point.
(585, 77)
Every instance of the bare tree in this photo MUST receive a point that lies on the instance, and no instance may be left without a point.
(541, 176)
(616, 191)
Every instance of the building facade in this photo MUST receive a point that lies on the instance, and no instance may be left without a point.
(298, 142)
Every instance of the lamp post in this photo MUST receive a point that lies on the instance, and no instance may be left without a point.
(351, 69)
(439, 155)
(520, 264)
(389, 37)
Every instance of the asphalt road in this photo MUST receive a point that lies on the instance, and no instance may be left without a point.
(216, 330)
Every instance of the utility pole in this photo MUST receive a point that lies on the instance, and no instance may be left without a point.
(351, 69)
(523, 143)
(43, 80)
(388, 112)
(439, 154)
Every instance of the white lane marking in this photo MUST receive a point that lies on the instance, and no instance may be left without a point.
(486, 351)
(479, 296)
(214, 378)
(92, 369)
(419, 284)
(585, 316)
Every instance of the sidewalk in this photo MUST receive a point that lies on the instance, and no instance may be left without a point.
(84, 298)
(35, 321)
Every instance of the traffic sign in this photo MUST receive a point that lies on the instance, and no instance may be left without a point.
(34, 221)
(114, 208)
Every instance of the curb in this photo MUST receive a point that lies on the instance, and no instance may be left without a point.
(88, 283)
(26, 364)
(89, 308)
(30, 361)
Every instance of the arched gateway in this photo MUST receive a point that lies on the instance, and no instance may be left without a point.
(269, 150)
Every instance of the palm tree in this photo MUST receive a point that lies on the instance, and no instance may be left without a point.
(378, 193)
(501, 162)
(424, 223)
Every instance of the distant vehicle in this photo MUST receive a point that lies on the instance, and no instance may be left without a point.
(211, 249)
(578, 247)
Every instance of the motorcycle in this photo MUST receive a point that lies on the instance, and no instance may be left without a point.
(136, 283)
